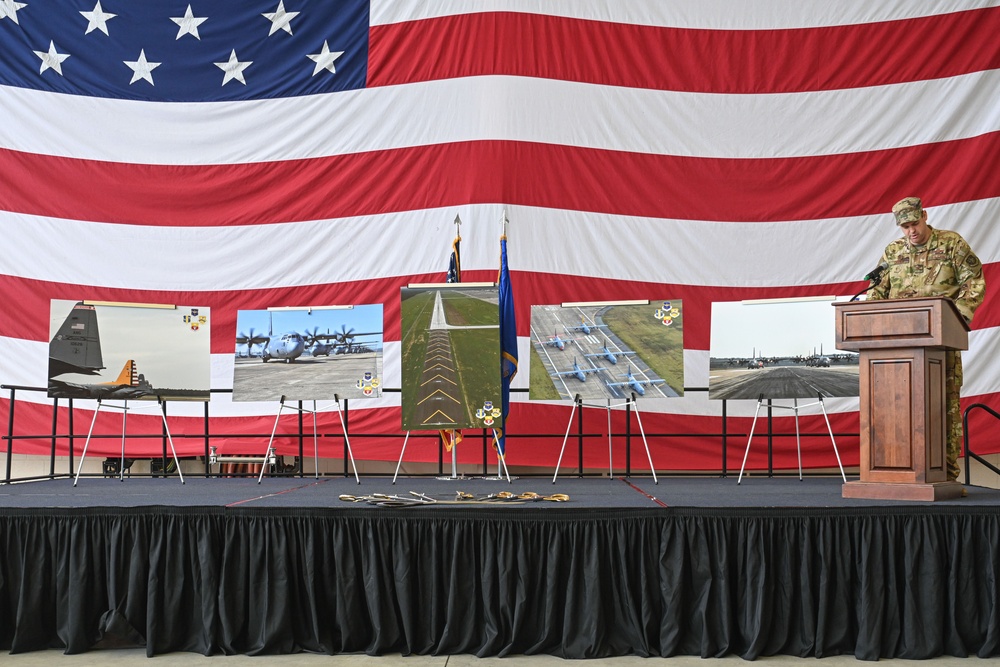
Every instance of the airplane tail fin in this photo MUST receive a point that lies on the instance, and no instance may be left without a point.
(76, 347)
(129, 376)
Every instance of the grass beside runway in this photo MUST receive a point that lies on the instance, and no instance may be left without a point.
(415, 319)
(477, 362)
(462, 310)
(541, 387)
(662, 347)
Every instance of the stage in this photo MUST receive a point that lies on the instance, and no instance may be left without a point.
(582, 568)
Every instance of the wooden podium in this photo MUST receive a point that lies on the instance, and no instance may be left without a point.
(902, 345)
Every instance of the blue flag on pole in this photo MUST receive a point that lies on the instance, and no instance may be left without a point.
(455, 262)
(452, 437)
(508, 341)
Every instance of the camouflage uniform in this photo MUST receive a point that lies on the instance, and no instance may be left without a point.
(944, 266)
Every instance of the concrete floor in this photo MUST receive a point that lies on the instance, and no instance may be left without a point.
(131, 657)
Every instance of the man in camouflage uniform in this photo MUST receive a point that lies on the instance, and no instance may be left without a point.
(934, 262)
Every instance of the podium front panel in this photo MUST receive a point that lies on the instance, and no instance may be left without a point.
(902, 420)
(889, 380)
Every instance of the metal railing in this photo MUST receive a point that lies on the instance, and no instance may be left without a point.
(969, 454)
(725, 437)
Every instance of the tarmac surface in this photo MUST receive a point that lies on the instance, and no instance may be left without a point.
(306, 378)
(784, 382)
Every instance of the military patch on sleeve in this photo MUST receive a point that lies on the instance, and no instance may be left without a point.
(972, 261)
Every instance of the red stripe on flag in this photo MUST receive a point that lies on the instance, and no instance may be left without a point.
(682, 59)
(550, 176)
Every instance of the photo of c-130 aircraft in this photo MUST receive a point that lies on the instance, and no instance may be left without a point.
(647, 334)
(291, 345)
(165, 339)
(130, 384)
(319, 352)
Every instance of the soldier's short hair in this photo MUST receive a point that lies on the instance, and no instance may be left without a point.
(908, 209)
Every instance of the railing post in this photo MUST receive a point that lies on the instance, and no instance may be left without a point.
(10, 433)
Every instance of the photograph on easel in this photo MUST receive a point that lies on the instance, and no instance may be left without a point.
(128, 351)
(450, 357)
(308, 353)
(607, 350)
(778, 348)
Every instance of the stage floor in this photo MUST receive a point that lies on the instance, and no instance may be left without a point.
(696, 493)
(625, 566)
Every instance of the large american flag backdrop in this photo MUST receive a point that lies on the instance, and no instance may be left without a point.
(241, 154)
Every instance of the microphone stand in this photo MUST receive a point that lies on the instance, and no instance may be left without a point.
(872, 286)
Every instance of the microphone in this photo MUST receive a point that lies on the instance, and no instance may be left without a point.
(877, 272)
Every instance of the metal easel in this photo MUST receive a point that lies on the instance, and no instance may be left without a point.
(270, 456)
(501, 465)
(454, 458)
(795, 407)
(124, 407)
(577, 401)
(501, 460)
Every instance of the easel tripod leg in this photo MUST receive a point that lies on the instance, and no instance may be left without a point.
(747, 452)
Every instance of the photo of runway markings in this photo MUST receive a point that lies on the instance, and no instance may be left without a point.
(450, 357)
(607, 351)
(779, 350)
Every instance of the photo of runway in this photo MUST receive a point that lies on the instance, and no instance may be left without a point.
(450, 358)
(607, 351)
(779, 349)
(786, 379)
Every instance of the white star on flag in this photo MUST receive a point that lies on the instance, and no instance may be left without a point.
(141, 68)
(8, 9)
(325, 59)
(52, 59)
(188, 24)
(280, 19)
(98, 19)
(233, 69)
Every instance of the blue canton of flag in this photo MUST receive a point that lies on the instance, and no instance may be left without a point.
(176, 51)
(508, 341)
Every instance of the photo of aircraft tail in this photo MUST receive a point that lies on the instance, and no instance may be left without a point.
(170, 343)
(130, 384)
(76, 347)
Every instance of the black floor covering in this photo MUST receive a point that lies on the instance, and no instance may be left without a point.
(588, 493)
(689, 565)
